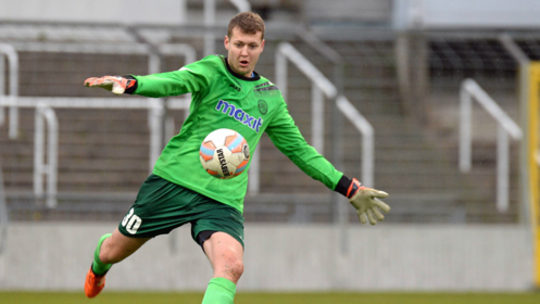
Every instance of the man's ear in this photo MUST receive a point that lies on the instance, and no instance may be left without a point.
(226, 42)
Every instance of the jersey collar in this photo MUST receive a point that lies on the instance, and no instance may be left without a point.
(254, 78)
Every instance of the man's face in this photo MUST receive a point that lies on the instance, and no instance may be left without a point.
(243, 51)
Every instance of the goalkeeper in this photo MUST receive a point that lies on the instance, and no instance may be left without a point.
(226, 93)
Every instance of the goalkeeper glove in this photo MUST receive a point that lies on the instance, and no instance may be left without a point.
(367, 203)
(117, 84)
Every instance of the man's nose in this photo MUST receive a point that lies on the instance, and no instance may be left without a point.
(244, 51)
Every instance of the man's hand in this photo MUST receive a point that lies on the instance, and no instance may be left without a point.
(116, 84)
(367, 203)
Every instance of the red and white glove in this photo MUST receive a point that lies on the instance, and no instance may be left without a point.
(367, 202)
(116, 84)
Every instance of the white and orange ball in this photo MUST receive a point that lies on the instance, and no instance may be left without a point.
(224, 153)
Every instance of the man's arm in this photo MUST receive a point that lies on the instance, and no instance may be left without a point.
(194, 77)
(155, 85)
(285, 135)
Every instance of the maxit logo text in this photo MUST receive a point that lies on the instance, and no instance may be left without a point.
(239, 114)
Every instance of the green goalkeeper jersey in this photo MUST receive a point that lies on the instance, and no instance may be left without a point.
(222, 99)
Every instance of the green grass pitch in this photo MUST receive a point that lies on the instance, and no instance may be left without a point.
(273, 298)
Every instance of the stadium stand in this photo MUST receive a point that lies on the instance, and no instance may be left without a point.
(104, 153)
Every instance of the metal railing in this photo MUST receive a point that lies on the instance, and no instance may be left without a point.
(322, 87)
(4, 216)
(511, 46)
(49, 168)
(470, 91)
(13, 62)
(45, 105)
(366, 129)
(45, 115)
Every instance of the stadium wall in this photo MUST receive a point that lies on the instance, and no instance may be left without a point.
(56, 256)
(95, 12)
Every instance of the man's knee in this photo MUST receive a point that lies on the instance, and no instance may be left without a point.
(237, 269)
(232, 265)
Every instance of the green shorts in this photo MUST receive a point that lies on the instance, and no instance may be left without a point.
(162, 206)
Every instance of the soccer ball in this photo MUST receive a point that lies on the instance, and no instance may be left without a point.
(224, 153)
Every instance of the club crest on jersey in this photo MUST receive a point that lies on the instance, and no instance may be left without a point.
(239, 114)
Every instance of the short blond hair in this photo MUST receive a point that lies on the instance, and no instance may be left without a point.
(248, 22)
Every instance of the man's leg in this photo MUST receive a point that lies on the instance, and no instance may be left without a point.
(226, 256)
(118, 247)
(111, 248)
